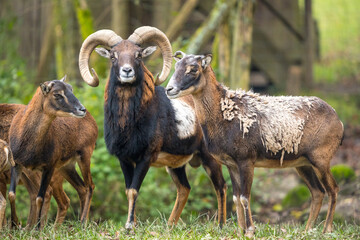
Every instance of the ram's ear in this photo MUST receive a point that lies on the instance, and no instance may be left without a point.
(46, 87)
(103, 52)
(206, 60)
(148, 51)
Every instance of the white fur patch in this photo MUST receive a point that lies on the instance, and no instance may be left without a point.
(6, 150)
(280, 119)
(184, 117)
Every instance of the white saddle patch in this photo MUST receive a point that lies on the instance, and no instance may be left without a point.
(185, 118)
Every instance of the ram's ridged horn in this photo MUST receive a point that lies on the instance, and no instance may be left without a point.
(105, 37)
(148, 34)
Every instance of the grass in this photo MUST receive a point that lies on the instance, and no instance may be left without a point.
(194, 229)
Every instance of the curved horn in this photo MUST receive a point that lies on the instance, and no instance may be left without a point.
(104, 37)
(152, 34)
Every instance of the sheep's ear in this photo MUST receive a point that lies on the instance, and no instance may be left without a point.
(103, 52)
(148, 51)
(206, 60)
(63, 79)
(46, 87)
(178, 55)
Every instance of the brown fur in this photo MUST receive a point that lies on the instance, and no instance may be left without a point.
(37, 128)
(30, 179)
(242, 149)
(148, 87)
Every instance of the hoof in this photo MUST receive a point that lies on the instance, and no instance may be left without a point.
(130, 228)
(129, 225)
(328, 230)
(249, 234)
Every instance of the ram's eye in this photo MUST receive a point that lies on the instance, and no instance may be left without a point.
(138, 55)
(112, 57)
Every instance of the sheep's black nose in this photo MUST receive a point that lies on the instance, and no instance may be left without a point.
(82, 109)
(169, 89)
(127, 69)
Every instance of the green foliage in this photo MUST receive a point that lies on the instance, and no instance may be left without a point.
(296, 196)
(343, 173)
(339, 39)
(15, 86)
(85, 19)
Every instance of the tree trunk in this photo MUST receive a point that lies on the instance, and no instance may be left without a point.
(84, 18)
(179, 21)
(47, 49)
(208, 28)
(120, 17)
(224, 54)
(309, 46)
(241, 45)
(161, 14)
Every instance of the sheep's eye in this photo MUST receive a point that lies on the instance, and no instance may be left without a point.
(112, 57)
(138, 55)
(193, 70)
(58, 96)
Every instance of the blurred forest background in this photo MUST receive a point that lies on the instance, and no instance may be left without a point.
(276, 47)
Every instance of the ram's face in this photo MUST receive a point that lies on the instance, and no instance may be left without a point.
(188, 76)
(126, 58)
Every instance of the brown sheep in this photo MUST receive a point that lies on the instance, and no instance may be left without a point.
(245, 130)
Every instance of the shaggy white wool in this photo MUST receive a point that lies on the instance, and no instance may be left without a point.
(185, 118)
(280, 119)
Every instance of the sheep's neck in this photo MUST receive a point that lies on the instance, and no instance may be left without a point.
(207, 101)
(35, 123)
(130, 100)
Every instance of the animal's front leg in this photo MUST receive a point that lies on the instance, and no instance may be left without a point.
(235, 182)
(140, 172)
(246, 170)
(45, 181)
(31, 181)
(128, 171)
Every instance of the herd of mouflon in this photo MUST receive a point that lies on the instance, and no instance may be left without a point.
(193, 120)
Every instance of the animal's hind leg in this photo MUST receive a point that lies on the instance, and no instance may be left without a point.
(325, 176)
(213, 169)
(178, 175)
(2, 200)
(317, 193)
(71, 175)
(14, 180)
(84, 165)
(61, 198)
